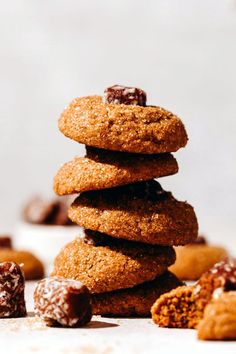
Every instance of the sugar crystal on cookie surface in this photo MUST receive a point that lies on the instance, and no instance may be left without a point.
(62, 302)
(12, 284)
(118, 94)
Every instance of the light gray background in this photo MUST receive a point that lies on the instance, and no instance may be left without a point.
(183, 53)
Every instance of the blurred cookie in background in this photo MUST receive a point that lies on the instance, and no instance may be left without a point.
(32, 267)
(196, 258)
(45, 227)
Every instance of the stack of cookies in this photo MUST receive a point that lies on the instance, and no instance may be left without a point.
(130, 223)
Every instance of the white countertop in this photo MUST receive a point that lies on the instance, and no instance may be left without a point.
(102, 335)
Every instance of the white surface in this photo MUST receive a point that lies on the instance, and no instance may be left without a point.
(44, 241)
(102, 335)
(183, 53)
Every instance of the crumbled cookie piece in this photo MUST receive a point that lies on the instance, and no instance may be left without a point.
(12, 286)
(176, 309)
(62, 302)
(118, 94)
(184, 307)
(219, 321)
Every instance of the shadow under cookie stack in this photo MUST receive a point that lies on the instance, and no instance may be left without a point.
(130, 223)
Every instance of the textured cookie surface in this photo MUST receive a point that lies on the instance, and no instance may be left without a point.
(136, 301)
(32, 266)
(106, 264)
(102, 169)
(138, 212)
(176, 309)
(193, 260)
(148, 130)
(219, 321)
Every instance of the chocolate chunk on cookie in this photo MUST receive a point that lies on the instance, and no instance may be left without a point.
(102, 169)
(118, 94)
(136, 301)
(121, 127)
(137, 212)
(107, 264)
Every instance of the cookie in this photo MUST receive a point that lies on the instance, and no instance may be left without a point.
(122, 127)
(106, 264)
(184, 307)
(219, 321)
(136, 301)
(137, 212)
(32, 266)
(176, 309)
(102, 169)
(195, 259)
(118, 94)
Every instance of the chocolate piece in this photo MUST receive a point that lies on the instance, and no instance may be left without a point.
(200, 240)
(62, 302)
(5, 242)
(12, 284)
(39, 211)
(125, 95)
(220, 278)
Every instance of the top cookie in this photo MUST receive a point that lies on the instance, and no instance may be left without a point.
(122, 127)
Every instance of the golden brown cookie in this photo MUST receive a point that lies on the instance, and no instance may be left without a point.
(106, 264)
(102, 169)
(195, 259)
(184, 307)
(136, 301)
(138, 212)
(121, 127)
(32, 266)
(219, 321)
(176, 309)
